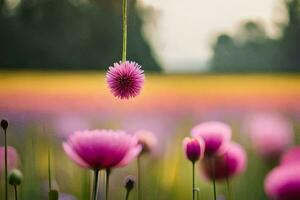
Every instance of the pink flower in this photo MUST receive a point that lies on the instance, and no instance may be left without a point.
(193, 148)
(125, 79)
(147, 139)
(292, 156)
(216, 136)
(102, 149)
(228, 164)
(270, 133)
(12, 158)
(283, 182)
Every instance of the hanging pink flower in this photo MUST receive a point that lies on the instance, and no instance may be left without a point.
(226, 165)
(102, 149)
(12, 158)
(216, 136)
(292, 156)
(270, 133)
(125, 79)
(283, 182)
(193, 148)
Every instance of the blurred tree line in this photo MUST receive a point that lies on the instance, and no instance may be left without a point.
(69, 34)
(251, 50)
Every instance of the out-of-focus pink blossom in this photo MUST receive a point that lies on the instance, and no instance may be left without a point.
(194, 148)
(270, 133)
(102, 149)
(12, 158)
(216, 136)
(226, 165)
(147, 139)
(291, 156)
(283, 182)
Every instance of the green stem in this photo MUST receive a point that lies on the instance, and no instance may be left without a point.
(124, 30)
(228, 189)
(5, 158)
(197, 191)
(95, 186)
(198, 195)
(214, 179)
(107, 184)
(16, 192)
(127, 195)
(139, 178)
(49, 169)
(193, 189)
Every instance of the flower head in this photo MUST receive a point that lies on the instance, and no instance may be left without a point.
(283, 182)
(102, 149)
(15, 177)
(193, 148)
(270, 133)
(12, 158)
(147, 139)
(4, 124)
(292, 156)
(125, 79)
(216, 136)
(129, 182)
(228, 164)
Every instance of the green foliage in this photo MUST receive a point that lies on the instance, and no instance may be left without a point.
(63, 34)
(251, 50)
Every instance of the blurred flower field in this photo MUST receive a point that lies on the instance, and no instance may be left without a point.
(44, 108)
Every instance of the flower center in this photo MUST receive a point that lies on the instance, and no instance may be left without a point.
(125, 82)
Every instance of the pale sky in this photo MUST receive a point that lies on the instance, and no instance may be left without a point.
(184, 31)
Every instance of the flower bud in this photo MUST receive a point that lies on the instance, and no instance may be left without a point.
(4, 124)
(194, 148)
(15, 177)
(129, 183)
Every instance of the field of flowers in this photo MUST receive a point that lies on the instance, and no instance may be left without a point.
(44, 109)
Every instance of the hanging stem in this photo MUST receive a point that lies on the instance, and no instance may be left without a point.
(193, 189)
(214, 179)
(139, 178)
(16, 192)
(107, 184)
(95, 186)
(5, 158)
(124, 31)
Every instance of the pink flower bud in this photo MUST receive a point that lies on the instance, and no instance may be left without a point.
(194, 148)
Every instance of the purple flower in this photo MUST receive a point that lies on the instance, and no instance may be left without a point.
(270, 133)
(216, 136)
(125, 79)
(283, 182)
(12, 158)
(102, 149)
(292, 156)
(193, 148)
(228, 164)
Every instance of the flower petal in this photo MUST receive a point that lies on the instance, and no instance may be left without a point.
(74, 156)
